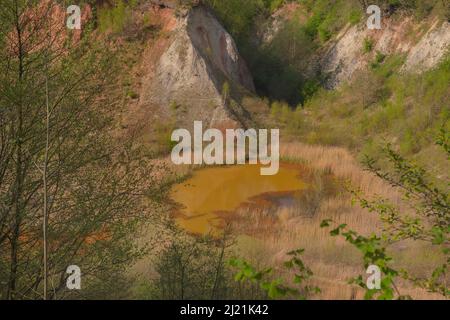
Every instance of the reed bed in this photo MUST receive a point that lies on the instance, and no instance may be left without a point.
(333, 261)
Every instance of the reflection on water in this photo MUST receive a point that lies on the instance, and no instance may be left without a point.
(216, 190)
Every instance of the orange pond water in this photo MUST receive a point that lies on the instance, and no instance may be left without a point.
(214, 191)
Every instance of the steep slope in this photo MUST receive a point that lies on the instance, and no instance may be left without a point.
(195, 72)
(384, 86)
(424, 45)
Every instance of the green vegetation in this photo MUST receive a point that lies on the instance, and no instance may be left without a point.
(114, 18)
(64, 171)
(429, 223)
(239, 16)
(195, 267)
(381, 105)
(276, 287)
(69, 193)
(379, 59)
(162, 134)
(279, 67)
(423, 217)
(132, 94)
(419, 8)
(192, 268)
(327, 17)
(368, 45)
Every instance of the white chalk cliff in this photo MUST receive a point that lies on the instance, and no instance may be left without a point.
(200, 73)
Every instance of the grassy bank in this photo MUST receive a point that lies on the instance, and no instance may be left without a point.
(273, 233)
(381, 106)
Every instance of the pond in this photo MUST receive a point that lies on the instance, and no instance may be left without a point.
(214, 191)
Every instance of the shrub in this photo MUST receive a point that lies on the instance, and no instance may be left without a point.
(368, 45)
(132, 94)
(379, 59)
(238, 16)
(429, 223)
(409, 143)
(275, 110)
(114, 18)
(355, 17)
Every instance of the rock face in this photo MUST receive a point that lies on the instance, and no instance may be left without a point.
(200, 75)
(430, 50)
(423, 46)
(341, 61)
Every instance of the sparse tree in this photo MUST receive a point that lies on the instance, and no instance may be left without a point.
(61, 170)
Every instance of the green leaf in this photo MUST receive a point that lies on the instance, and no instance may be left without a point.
(325, 223)
(438, 235)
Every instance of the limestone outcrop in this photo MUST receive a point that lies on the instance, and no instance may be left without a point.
(199, 74)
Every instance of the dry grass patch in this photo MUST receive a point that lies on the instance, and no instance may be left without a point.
(332, 260)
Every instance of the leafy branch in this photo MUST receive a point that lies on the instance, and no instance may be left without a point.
(429, 222)
(276, 287)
